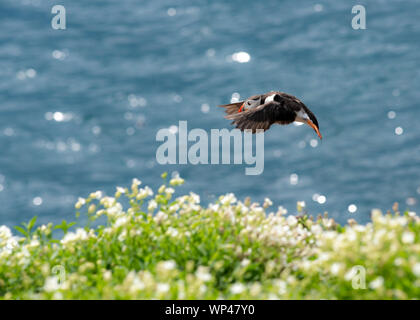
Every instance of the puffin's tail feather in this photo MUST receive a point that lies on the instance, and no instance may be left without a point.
(232, 108)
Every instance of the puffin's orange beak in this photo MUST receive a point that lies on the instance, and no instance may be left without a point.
(313, 126)
(242, 106)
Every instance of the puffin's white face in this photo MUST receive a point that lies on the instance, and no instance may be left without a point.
(302, 116)
(253, 102)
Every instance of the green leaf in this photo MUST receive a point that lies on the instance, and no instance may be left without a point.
(22, 231)
(64, 226)
(31, 224)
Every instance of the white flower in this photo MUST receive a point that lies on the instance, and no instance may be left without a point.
(176, 181)
(214, 207)
(359, 228)
(258, 209)
(173, 232)
(245, 262)
(7, 241)
(174, 207)
(195, 198)
(351, 235)
(148, 191)
(5, 232)
(282, 285)
(169, 190)
(136, 182)
(168, 265)
(237, 288)
(376, 214)
(144, 193)
(137, 285)
(152, 205)
(91, 209)
(107, 275)
(291, 221)
(228, 199)
(267, 203)
(80, 202)
(416, 269)
(408, 237)
(203, 274)
(51, 284)
(323, 256)
(377, 283)
(120, 190)
(316, 229)
(115, 211)
(70, 237)
(121, 221)
(301, 204)
(350, 274)
(162, 287)
(398, 262)
(107, 202)
(96, 195)
(160, 216)
(335, 268)
(34, 243)
(281, 210)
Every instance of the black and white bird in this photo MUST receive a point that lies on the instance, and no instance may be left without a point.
(263, 110)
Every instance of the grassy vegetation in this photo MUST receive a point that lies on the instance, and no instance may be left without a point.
(173, 248)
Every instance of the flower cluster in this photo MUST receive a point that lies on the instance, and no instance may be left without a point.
(165, 247)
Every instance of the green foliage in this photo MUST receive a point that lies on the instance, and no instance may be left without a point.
(27, 227)
(165, 248)
(64, 226)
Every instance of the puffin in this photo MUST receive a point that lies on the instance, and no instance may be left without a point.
(260, 111)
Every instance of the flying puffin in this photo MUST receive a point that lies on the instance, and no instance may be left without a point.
(263, 110)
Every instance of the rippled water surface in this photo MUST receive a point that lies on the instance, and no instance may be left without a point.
(80, 107)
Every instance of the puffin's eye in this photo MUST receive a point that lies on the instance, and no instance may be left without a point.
(248, 103)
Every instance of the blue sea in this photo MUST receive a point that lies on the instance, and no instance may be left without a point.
(80, 107)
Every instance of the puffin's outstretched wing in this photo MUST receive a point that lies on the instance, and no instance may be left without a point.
(263, 116)
(232, 108)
